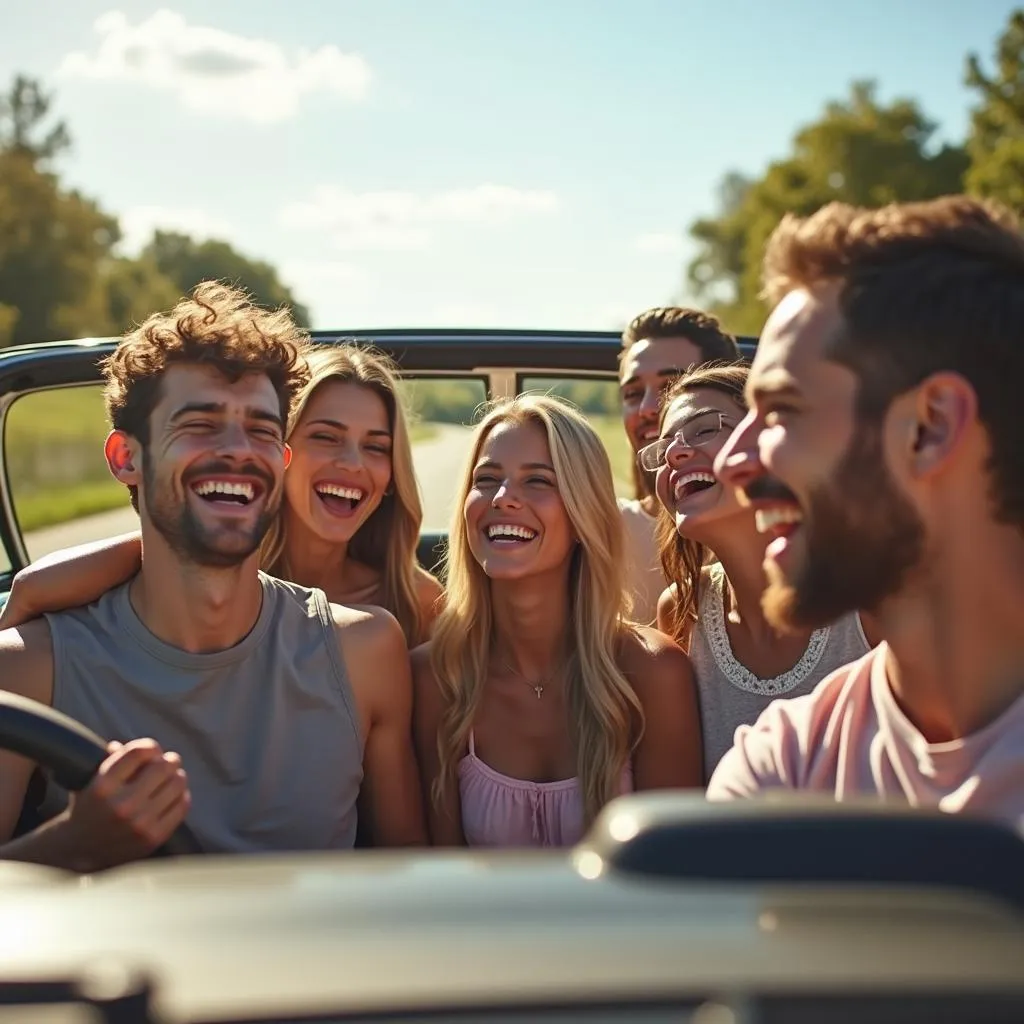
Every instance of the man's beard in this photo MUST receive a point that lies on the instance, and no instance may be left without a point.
(861, 537)
(220, 547)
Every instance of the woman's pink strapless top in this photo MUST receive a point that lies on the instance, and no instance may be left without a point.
(501, 811)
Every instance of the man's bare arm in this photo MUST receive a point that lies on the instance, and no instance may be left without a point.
(26, 668)
(139, 795)
(71, 577)
(375, 653)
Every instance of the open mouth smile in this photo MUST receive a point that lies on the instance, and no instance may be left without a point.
(228, 493)
(509, 534)
(339, 499)
(781, 523)
(686, 485)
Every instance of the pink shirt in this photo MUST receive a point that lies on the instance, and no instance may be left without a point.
(849, 737)
(501, 811)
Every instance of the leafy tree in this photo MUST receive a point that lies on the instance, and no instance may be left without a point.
(59, 274)
(50, 239)
(23, 110)
(125, 291)
(859, 151)
(132, 289)
(186, 262)
(51, 243)
(996, 140)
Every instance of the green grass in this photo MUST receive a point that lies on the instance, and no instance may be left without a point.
(51, 507)
(53, 449)
(59, 414)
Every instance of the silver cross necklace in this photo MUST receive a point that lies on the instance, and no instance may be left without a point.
(537, 687)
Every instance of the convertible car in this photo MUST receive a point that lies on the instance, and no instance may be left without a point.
(671, 909)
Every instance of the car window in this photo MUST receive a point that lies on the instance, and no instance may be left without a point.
(598, 398)
(61, 489)
(63, 493)
(444, 410)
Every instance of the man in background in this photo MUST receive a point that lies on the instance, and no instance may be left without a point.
(657, 346)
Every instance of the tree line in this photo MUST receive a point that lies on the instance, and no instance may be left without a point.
(865, 152)
(61, 273)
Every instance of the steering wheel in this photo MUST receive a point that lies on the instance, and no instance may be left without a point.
(69, 752)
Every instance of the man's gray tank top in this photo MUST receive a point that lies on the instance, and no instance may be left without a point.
(267, 730)
(730, 694)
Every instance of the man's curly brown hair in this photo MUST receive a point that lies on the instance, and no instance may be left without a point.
(923, 288)
(218, 326)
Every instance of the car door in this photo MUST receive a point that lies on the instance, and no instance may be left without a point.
(50, 411)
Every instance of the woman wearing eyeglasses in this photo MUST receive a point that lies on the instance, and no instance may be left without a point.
(712, 554)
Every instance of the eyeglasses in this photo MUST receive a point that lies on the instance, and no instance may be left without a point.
(695, 433)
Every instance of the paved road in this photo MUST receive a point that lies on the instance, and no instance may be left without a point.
(438, 463)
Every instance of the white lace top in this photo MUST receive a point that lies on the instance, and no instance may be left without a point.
(730, 694)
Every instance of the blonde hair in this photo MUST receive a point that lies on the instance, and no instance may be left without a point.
(387, 541)
(603, 706)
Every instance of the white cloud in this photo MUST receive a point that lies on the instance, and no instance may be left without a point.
(214, 71)
(139, 223)
(324, 272)
(397, 219)
(659, 242)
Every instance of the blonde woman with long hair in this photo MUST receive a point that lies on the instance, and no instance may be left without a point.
(350, 522)
(351, 514)
(537, 700)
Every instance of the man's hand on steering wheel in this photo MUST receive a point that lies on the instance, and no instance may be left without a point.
(137, 799)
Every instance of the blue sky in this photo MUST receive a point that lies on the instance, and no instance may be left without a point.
(464, 162)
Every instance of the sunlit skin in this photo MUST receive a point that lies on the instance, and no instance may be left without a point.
(342, 444)
(647, 367)
(514, 487)
(800, 422)
(714, 516)
(203, 429)
(698, 507)
(247, 430)
(520, 533)
(198, 589)
(954, 613)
